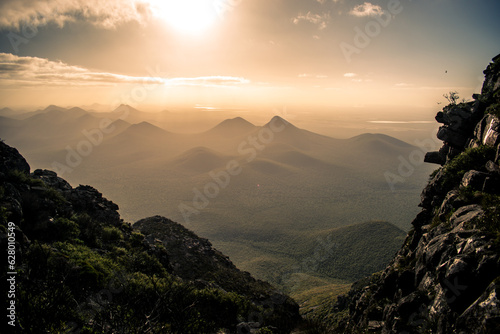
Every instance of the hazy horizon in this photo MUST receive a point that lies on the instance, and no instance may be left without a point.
(352, 122)
(397, 56)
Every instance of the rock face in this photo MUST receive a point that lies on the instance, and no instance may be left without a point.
(446, 276)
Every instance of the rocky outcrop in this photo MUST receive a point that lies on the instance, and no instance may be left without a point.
(72, 246)
(464, 124)
(10, 160)
(446, 276)
(194, 259)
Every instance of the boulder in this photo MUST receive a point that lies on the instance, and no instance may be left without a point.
(474, 180)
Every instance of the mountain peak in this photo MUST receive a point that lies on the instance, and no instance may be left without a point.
(146, 129)
(76, 111)
(237, 121)
(125, 108)
(53, 107)
(231, 127)
(278, 122)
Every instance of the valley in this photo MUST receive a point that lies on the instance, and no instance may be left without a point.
(264, 195)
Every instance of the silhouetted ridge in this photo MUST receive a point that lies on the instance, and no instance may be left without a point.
(278, 121)
(54, 108)
(232, 127)
(146, 129)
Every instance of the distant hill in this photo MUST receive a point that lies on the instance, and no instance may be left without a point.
(156, 275)
(6, 112)
(292, 184)
(144, 130)
(231, 128)
(353, 252)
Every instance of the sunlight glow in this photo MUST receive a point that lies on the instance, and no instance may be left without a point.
(186, 16)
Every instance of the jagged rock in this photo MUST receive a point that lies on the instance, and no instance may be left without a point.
(491, 137)
(193, 258)
(492, 167)
(11, 160)
(51, 179)
(445, 277)
(87, 199)
(435, 158)
(433, 193)
(483, 316)
(492, 80)
(466, 213)
(450, 202)
(474, 180)
(452, 137)
(486, 132)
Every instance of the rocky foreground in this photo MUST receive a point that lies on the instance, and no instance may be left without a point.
(446, 277)
(79, 268)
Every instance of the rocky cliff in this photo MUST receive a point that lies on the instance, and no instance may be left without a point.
(79, 268)
(446, 276)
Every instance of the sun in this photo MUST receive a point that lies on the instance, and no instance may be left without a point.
(186, 16)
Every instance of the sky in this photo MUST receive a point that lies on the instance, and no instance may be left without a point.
(331, 54)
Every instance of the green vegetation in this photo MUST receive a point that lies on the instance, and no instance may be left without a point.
(332, 254)
(79, 273)
(490, 221)
(470, 159)
(340, 257)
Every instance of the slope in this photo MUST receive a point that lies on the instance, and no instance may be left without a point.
(76, 251)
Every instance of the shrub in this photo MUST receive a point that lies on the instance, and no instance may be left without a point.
(63, 229)
(136, 239)
(90, 230)
(452, 97)
(111, 234)
(471, 158)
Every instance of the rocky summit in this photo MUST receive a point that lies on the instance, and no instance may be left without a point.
(445, 278)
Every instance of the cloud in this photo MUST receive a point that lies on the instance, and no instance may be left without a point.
(107, 14)
(403, 85)
(366, 9)
(208, 81)
(319, 20)
(317, 76)
(350, 75)
(33, 71)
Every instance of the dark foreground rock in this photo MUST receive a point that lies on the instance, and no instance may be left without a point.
(446, 277)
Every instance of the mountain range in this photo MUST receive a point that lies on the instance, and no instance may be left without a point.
(285, 185)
